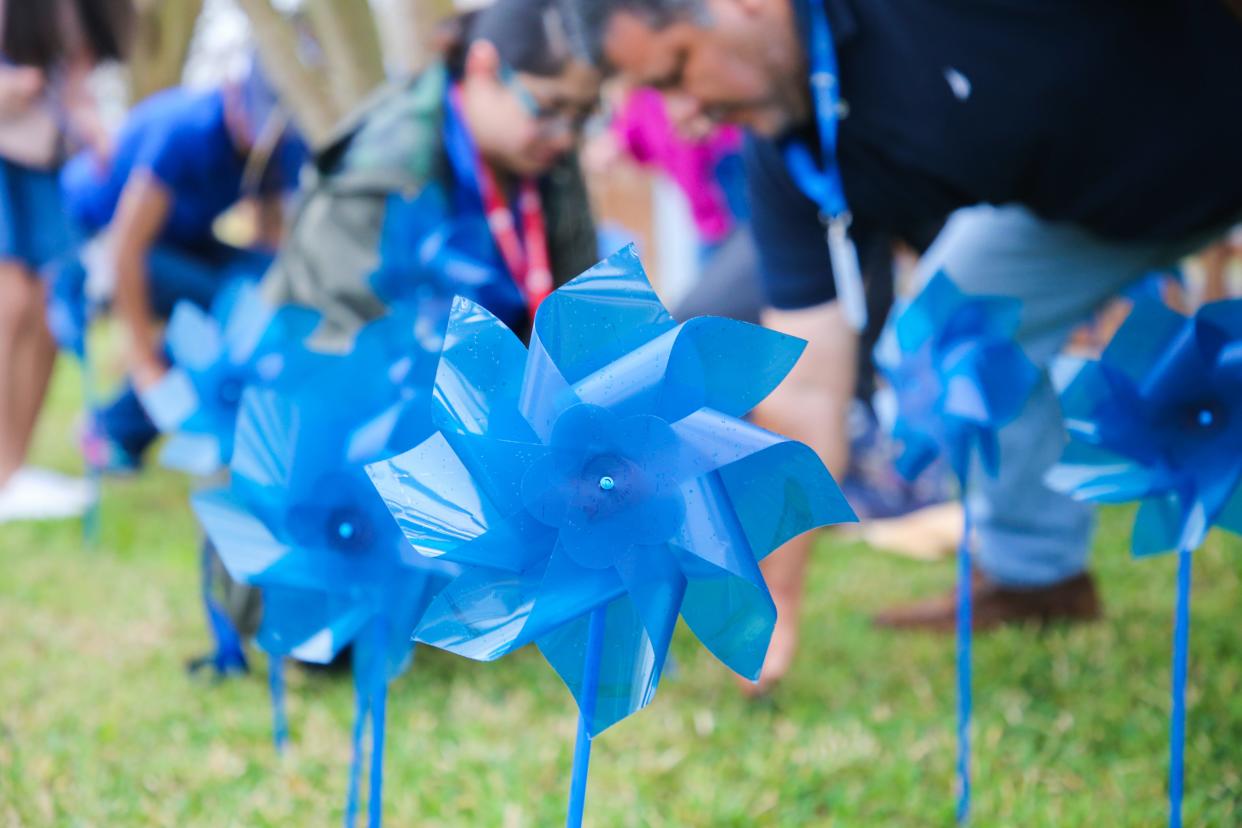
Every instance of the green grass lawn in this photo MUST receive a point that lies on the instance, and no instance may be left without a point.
(101, 726)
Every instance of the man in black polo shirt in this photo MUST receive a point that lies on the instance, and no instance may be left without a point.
(1072, 145)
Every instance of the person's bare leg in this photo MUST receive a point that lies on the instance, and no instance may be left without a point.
(36, 359)
(811, 406)
(16, 290)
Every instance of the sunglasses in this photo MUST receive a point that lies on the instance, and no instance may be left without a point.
(552, 119)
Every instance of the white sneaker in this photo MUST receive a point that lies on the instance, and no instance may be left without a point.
(41, 494)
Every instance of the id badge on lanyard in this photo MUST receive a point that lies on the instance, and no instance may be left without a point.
(822, 182)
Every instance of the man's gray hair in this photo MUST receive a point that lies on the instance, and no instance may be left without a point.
(595, 15)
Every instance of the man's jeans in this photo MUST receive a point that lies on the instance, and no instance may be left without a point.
(1029, 535)
(176, 275)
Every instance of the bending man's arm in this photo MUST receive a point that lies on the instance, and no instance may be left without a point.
(140, 216)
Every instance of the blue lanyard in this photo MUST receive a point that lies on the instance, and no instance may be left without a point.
(821, 182)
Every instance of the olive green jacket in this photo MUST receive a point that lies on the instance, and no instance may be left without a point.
(393, 144)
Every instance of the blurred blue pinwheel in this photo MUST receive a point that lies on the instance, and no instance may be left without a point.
(599, 483)
(1158, 419)
(428, 255)
(243, 341)
(958, 377)
(301, 521)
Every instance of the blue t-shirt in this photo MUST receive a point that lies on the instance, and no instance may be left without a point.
(1122, 117)
(180, 137)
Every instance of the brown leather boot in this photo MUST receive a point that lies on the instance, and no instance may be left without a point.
(1072, 600)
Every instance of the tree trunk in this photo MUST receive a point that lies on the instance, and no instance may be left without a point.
(409, 26)
(302, 88)
(164, 29)
(347, 34)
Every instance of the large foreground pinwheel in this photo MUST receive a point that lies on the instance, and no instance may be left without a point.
(301, 521)
(1159, 419)
(600, 483)
(958, 377)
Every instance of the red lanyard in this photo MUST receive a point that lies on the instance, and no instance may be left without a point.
(528, 262)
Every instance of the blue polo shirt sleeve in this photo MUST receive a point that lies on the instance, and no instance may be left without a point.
(165, 153)
(792, 244)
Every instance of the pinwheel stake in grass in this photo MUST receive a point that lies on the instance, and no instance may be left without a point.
(69, 313)
(600, 483)
(958, 377)
(301, 521)
(244, 341)
(1159, 419)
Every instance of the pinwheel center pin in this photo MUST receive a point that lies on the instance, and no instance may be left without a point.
(347, 529)
(607, 483)
(230, 391)
(1207, 416)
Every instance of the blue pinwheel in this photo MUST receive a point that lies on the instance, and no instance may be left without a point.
(301, 521)
(958, 377)
(243, 341)
(600, 483)
(1158, 418)
(428, 255)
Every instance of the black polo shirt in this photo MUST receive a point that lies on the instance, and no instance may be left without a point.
(1123, 117)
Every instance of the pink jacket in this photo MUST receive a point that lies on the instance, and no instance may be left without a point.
(645, 132)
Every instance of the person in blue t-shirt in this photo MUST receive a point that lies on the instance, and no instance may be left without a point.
(181, 160)
(1072, 147)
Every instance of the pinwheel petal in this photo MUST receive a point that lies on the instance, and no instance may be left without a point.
(193, 337)
(310, 625)
(781, 492)
(633, 658)
(197, 454)
(245, 544)
(171, 401)
(600, 317)
(1141, 342)
(1006, 377)
(444, 509)
(709, 440)
(1088, 472)
(1230, 518)
(1157, 526)
(730, 610)
(921, 319)
(263, 330)
(479, 379)
(265, 443)
(482, 614)
(695, 365)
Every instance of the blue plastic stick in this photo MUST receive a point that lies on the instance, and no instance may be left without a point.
(90, 521)
(276, 685)
(378, 680)
(582, 748)
(1181, 652)
(964, 641)
(355, 764)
